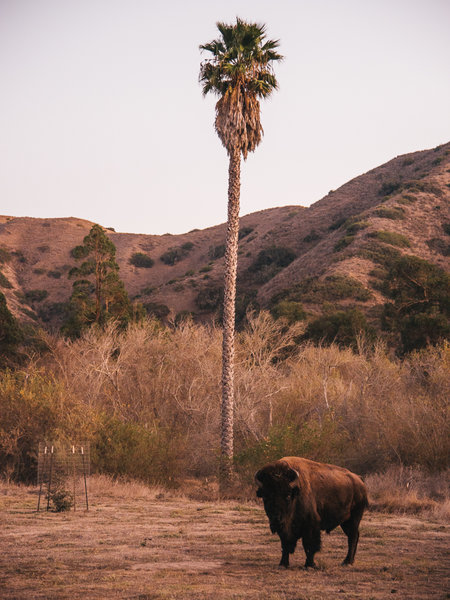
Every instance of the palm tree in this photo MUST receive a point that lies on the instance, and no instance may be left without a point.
(240, 72)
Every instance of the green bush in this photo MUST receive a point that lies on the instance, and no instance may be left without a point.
(355, 226)
(379, 253)
(132, 450)
(33, 296)
(322, 440)
(216, 252)
(79, 252)
(337, 224)
(5, 256)
(4, 282)
(209, 298)
(172, 256)
(439, 245)
(342, 328)
(54, 274)
(187, 246)
(245, 231)
(392, 238)
(316, 291)
(394, 213)
(388, 188)
(290, 310)
(446, 228)
(156, 309)
(44, 248)
(277, 256)
(141, 260)
(312, 236)
(343, 243)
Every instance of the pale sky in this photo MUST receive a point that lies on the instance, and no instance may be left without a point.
(102, 116)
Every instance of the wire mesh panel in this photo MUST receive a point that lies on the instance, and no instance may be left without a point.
(63, 471)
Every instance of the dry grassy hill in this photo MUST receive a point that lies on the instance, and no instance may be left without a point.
(403, 204)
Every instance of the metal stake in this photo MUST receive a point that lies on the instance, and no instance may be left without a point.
(42, 478)
(50, 478)
(84, 475)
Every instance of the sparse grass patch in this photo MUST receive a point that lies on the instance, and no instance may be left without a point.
(343, 243)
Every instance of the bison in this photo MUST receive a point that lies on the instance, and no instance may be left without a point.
(302, 497)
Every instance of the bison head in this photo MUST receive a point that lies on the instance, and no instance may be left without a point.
(278, 486)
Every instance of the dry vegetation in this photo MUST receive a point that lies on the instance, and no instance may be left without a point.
(148, 400)
(145, 543)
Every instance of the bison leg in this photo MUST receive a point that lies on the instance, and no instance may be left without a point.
(351, 530)
(287, 547)
(311, 545)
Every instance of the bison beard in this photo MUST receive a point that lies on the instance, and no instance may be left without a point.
(302, 497)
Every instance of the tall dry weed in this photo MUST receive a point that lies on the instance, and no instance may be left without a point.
(148, 398)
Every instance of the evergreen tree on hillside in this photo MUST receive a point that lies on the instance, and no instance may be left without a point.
(238, 70)
(420, 307)
(98, 294)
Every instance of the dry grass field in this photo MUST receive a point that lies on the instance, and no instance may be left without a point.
(142, 543)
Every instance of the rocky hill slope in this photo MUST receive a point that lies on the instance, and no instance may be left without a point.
(330, 251)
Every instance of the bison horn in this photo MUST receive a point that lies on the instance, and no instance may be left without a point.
(293, 475)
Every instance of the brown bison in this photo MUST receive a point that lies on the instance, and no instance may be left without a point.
(302, 497)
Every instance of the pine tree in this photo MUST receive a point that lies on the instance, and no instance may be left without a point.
(98, 294)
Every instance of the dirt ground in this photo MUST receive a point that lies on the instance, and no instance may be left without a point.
(160, 546)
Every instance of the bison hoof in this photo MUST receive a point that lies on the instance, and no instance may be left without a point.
(284, 563)
(346, 563)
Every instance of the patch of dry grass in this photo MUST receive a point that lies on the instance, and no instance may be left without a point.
(133, 543)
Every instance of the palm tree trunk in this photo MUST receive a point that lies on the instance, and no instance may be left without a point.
(229, 302)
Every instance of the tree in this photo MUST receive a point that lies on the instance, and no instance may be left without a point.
(420, 307)
(98, 293)
(239, 70)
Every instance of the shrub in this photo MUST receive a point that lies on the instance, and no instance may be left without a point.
(4, 281)
(141, 260)
(205, 269)
(44, 248)
(355, 226)
(132, 450)
(244, 231)
(337, 224)
(209, 298)
(39, 271)
(343, 243)
(275, 255)
(388, 188)
(54, 274)
(342, 328)
(289, 310)
(187, 246)
(216, 252)
(394, 213)
(379, 253)
(5, 256)
(79, 252)
(157, 309)
(446, 228)
(392, 238)
(172, 256)
(316, 291)
(35, 296)
(312, 236)
(439, 245)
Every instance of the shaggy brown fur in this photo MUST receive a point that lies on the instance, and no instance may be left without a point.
(302, 497)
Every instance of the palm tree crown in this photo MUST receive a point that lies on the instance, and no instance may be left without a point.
(240, 72)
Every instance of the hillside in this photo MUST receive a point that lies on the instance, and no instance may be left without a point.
(340, 236)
